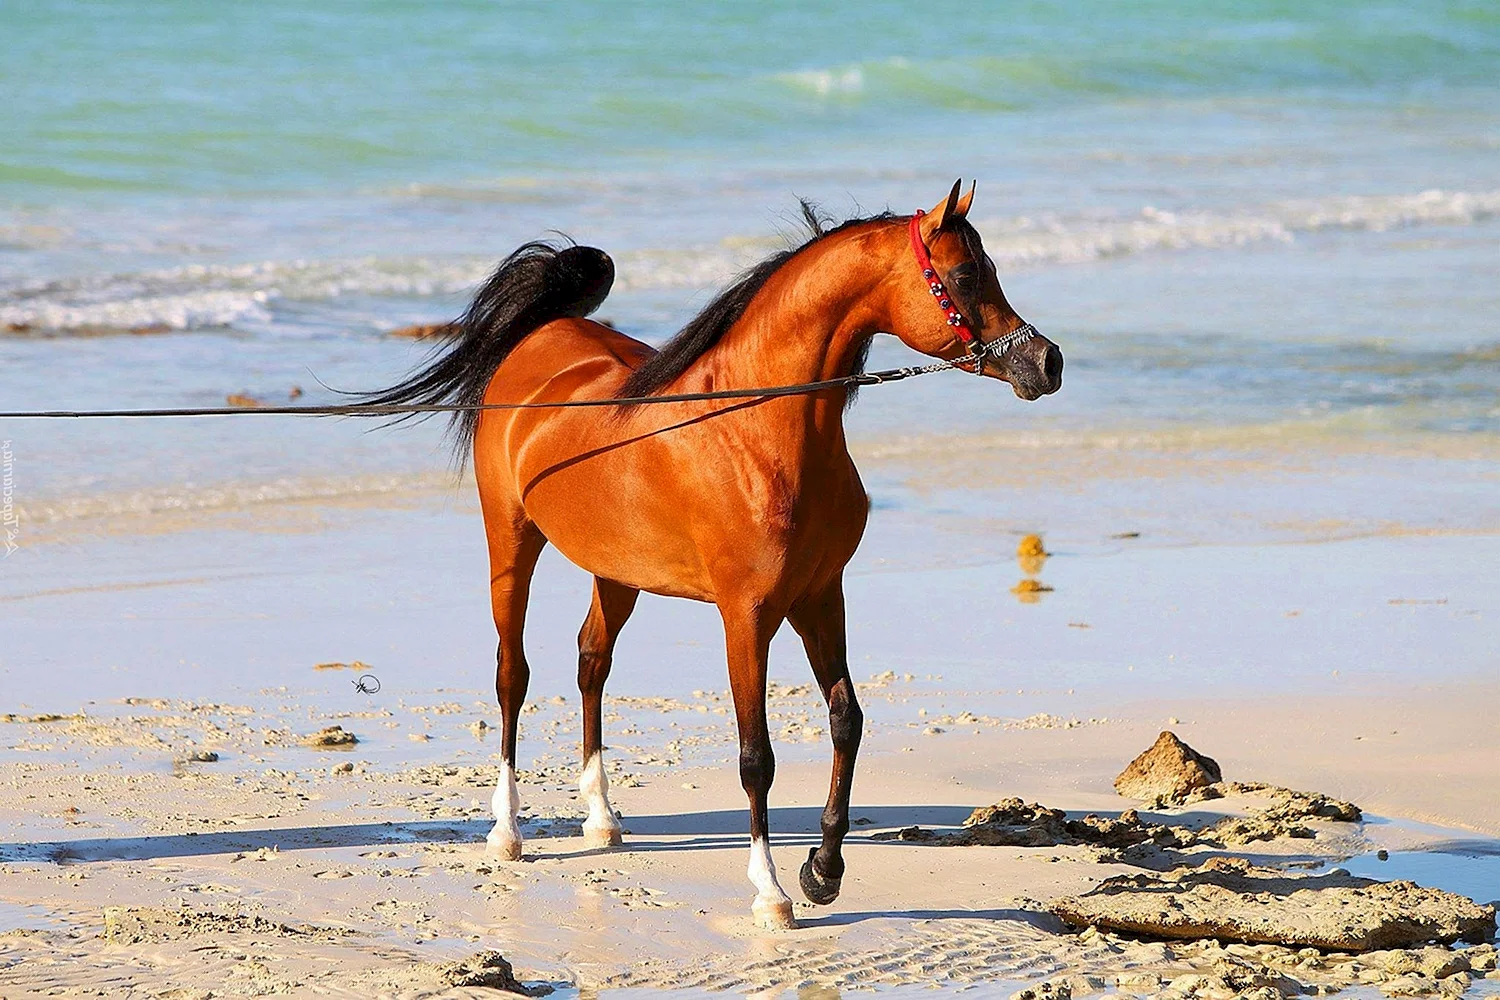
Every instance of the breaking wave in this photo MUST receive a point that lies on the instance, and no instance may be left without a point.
(209, 295)
(1053, 240)
(219, 295)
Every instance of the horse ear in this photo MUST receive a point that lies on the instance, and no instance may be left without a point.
(962, 209)
(942, 212)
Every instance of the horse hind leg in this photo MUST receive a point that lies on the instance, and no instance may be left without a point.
(514, 549)
(611, 608)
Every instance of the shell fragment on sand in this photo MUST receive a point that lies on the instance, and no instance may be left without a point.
(1235, 902)
(1169, 770)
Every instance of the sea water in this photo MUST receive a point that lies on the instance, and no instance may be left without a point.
(1246, 224)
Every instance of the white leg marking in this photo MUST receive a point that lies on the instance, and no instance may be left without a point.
(602, 828)
(772, 906)
(505, 838)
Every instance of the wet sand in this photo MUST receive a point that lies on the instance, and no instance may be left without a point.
(372, 875)
(1361, 667)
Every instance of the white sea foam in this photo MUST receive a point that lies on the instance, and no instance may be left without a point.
(189, 310)
(229, 497)
(1028, 240)
(208, 295)
(228, 294)
(1048, 239)
(826, 82)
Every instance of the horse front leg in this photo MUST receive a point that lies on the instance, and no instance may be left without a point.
(748, 639)
(820, 623)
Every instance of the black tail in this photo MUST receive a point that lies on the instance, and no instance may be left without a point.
(536, 284)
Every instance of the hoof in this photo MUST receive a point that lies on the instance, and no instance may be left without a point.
(773, 915)
(817, 888)
(502, 848)
(598, 838)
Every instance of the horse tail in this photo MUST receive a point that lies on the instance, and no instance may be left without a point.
(536, 284)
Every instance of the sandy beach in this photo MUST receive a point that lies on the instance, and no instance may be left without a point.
(361, 870)
(327, 874)
(1245, 288)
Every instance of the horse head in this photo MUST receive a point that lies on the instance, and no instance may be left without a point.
(971, 316)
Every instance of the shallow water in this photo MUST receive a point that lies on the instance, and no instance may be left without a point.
(24, 917)
(221, 612)
(1239, 221)
(1468, 867)
(1432, 856)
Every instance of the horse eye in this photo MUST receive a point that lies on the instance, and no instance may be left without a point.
(964, 277)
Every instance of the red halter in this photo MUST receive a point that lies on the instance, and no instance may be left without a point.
(977, 348)
(935, 284)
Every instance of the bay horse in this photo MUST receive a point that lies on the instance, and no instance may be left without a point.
(752, 504)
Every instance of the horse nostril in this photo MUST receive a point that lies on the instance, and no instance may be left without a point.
(1052, 365)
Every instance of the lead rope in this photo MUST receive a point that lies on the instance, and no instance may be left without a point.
(384, 410)
(995, 347)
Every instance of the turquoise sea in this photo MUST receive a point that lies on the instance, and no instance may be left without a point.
(1245, 223)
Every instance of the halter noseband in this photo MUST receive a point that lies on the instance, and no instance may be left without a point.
(976, 347)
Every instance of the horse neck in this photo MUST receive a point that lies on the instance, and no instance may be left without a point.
(811, 320)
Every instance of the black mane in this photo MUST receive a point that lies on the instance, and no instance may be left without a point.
(705, 330)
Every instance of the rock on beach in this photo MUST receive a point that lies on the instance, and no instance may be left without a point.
(1169, 771)
(332, 737)
(488, 970)
(1232, 901)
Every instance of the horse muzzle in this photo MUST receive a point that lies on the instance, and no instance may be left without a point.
(1033, 369)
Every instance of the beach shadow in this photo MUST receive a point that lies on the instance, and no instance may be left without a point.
(793, 820)
(288, 838)
(1196, 819)
(1040, 920)
(709, 830)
